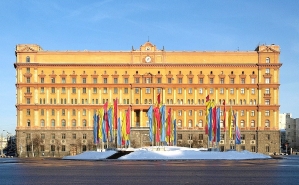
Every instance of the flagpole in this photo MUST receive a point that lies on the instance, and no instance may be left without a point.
(236, 130)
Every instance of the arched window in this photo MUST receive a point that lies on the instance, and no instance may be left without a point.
(267, 60)
(242, 122)
(244, 102)
(178, 101)
(252, 123)
(73, 122)
(150, 101)
(267, 123)
(28, 123)
(84, 123)
(63, 124)
(53, 122)
(145, 101)
(42, 123)
(179, 123)
(27, 59)
(190, 123)
(137, 101)
(181, 101)
(200, 124)
(171, 102)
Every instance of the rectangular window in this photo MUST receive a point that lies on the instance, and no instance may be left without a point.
(242, 80)
(211, 90)
(221, 80)
(242, 91)
(253, 80)
(252, 113)
(169, 90)
(252, 91)
(267, 71)
(179, 90)
(190, 91)
(28, 112)
(53, 112)
(95, 90)
(242, 113)
(267, 102)
(231, 91)
(126, 90)
(42, 112)
(200, 90)
(180, 136)
(84, 80)
(221, 90)
(63, 112)
(267, 80)
(73, 80)
(115, 90)
(42, 136)
(63, 80)
(74, 90)
(63, 148)
(84, 112)
(137, 80)
(159, 80)
(95, 80)
(74, 136)
(105, 80)
(28, 70)
(28, 100)
(84, 90)
(147, 90)
(180, 80)
(52, 80)
(211, 80)
(63, 136)
(28, 79)
(105, 91)
(42, 90)
(84, 136)
(63, 90)
(190, 80)
(267, 113)
(201, 80)
(136, 90)
(52, 89)
(232, 80)
(115, 80)
(169, 80)
(42, 80)
(267, 91)
(126, 80)
(52, 136)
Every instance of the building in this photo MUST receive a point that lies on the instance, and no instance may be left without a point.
(59, 91)
(291, 131)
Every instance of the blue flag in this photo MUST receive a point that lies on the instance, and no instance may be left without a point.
(150, 122)
(163, 128)
(95, 129)
(218, 124)
(104, 129)
(210, 123)
(110, 118)
(118, 132)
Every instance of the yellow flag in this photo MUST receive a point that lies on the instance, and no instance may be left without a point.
(100, 133)
(123, 126)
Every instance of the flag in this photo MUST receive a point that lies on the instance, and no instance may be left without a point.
(100, 124)
(174, 133)
(168, 134)
(128, 123)
(95, 129)
(158, 99)
(162, 116)
(218, 125)
(224, 113)
(123, 127)
(118, 132)
(208, 105)
(208, 98)
(157, 118)
(115, 113)
(110, 118)
(214, 123)
(230, 122)
(237, 131)
(150, 122)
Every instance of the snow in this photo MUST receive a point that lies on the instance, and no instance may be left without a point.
(170, 153)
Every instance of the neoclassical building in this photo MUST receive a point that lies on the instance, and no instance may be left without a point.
(59, 91)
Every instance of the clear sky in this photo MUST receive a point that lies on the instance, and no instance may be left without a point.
(212, 25)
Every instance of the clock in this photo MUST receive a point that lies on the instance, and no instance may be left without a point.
(148, 59)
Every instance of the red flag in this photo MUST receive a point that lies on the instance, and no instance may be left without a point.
(158, 99)
(168, 122)
(207, 98)
(106, 117)
(224, 116)
(115, 114)
(214, 122)
(128, 121)
(157, 116)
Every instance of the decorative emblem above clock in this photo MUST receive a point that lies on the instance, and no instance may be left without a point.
(148, 59)
(147, 48)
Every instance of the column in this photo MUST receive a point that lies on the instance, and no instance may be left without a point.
(36, 95)
(141, 119)
(185, 118)
(185, 96)
(58, 122)
(35, 118)
(174, 96)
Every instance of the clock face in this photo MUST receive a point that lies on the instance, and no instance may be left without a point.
(148, 59)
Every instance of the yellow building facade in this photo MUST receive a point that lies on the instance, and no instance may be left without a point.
(58, 93)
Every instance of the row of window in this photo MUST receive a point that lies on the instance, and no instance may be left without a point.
(201, 136)
(53, 148)
(63, 123)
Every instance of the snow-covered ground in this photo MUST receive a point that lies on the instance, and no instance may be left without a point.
(170, 153)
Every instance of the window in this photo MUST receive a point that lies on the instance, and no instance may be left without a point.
(28, 70)
(63, 123)
(200, 90)
(63, 80)
(63, 112)
(159, 80)
(63, 136)
(253, 80)
(190, 123)
(242, 91)
(27, 59)
(126, 90)
(221, 80)
(242, 113)
(252, 113)
(137, 80)
(105, 91)
(73, 122)
(169, 80)
(267, 113)
(180, 80)
(200, 123)
(115, 80)
(180, 90)
(242, 80)
(267, 91)
(232, 80)
(267, 71)
(252, 123)
(84, 136)
(136, 90)
(148, 90)
(52, 112)
(63, 148)
(200, 137)
(179, 113)
(267, 148)
(28, 123)
(267, 60)
(53, 80)
(211, 90)
(180, 136)
(74, 112)
(221, 90)
(95, 90)
(42, 136)
(74, 90)
(53, 123)
(42, 80)
(84, 123)
(42, 123)
(252, 91)
(73, 80)
(190, 113)
(201, 80)
(74, 136)
(28, 79)
(200, 113)
(84, 80)
(190, 90)
(190, 80)
(267, 80)
(179, 123)
(267, 102)
(242, 123)
(267, 123)
(231, 91)
(28, 100)
(126, 80)
(95, 80)
(211, 80)
(28, 112)
(169, 90)
(105, 80)
(52, 148)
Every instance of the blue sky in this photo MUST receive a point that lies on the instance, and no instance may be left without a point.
(176, 25)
